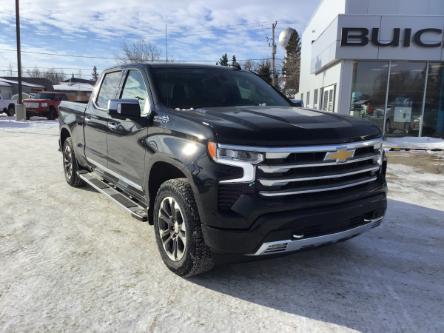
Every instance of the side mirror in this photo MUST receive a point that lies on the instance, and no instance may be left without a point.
(124, 108)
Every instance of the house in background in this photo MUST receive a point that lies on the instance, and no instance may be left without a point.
(29, 85)
(77, 89)
(5, 90)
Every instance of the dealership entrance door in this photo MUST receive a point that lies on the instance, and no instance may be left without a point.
(328, 98)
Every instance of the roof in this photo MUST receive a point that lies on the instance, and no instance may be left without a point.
(4, 84)
(79, 80)
(171, 65)
(73, 87)
(24, 83)
(40, 82)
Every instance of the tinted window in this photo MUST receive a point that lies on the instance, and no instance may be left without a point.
(45, 96)
(108, 89)
(135, 88)
(212, 87)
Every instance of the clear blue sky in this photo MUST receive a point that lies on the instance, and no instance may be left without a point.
(198, 31)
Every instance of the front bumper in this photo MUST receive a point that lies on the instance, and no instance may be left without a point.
(299, 228)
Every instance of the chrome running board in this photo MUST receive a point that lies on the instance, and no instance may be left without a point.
(124, 201)
(290, 245)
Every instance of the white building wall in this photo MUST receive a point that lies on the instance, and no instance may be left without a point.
(324, 16)
(325, 62)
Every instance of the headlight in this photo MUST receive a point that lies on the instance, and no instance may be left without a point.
(43, 105)
(379, 149)
(230, 155)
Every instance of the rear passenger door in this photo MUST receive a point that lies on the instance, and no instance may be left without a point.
(96, 120)
(126, 149)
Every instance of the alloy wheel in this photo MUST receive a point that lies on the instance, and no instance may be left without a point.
(172, 229)
(68, 161)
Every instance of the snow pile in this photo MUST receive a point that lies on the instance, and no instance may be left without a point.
(35, 122)
(409, 142)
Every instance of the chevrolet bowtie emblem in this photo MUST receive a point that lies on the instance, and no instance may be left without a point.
(340, 155)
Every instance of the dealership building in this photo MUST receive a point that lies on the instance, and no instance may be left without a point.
(382, 60)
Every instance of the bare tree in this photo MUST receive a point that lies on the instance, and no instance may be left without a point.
(140, 51)
(51, 74)
(249, 65)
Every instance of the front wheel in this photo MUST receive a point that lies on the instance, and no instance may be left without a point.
(178, 230)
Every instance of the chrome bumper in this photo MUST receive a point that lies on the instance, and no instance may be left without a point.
(290, 245)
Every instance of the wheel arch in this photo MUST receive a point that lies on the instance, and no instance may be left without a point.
(161, 170)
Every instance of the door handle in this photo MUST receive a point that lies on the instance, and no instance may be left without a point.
(112, 125)
(87, 118)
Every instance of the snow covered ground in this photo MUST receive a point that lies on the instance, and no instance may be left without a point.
(409, 142)
(70, 260)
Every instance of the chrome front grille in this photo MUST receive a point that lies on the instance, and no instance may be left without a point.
(312, 169)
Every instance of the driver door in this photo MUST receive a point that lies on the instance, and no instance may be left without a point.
(126, 149)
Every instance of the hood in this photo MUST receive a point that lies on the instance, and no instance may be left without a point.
(281, 126)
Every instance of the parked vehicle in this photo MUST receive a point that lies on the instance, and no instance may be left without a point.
(297, 102)
(7, 106)
(44, 104)
(222, 164)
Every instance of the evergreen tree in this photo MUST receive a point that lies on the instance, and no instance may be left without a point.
(223, 61)
(94, 74)
(264, 71)
(292, 63)
(233, 60)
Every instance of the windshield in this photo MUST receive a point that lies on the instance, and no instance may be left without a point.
(45, 96)
(187, 88)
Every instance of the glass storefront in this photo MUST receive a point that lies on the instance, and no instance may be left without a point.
(410, 107)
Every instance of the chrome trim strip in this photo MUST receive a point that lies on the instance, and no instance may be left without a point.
(304, 149)
(315, 190)
(284, 181)
(285, 168)
(298, 244)
(125, 180)
(249, 171)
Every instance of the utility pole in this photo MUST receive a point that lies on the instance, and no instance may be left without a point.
(20, 110)
(166, 42)
(273, 54)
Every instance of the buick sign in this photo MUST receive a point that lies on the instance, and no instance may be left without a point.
(363, 36)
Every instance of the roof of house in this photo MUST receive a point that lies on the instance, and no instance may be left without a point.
(79, 80)
(24, 83)
(36, 82)
(73, 87)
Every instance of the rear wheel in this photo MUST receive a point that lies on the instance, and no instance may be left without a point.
(51, 114)
(11, 110)
(178, 230)
(70, 166)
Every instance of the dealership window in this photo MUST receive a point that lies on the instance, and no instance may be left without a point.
(308, 98)
(315, 99)
(413, 104)
(302, 98)
(433, 120)
(369, 86)
(328, 98)
(406, 93)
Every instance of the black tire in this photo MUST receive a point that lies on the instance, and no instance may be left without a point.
(11, 110)
(70, 165)
(196, 257)
(51, 114)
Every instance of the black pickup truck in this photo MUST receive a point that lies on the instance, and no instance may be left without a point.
(223, 164)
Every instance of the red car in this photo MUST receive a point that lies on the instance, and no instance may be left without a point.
(44, 104)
